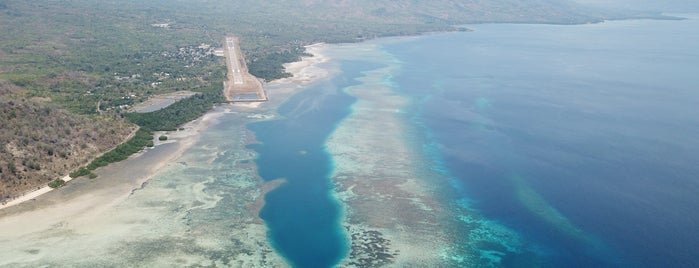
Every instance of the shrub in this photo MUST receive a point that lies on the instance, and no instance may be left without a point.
(56, 183)
(79, 172)
(162, 138)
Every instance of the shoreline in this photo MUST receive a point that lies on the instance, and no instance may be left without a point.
(156, 200)
(89, 217)
(306, 70)
(181, 140)
(43, 190)
(83, 201)
(303, 72)
(369, 233)
(31, 195)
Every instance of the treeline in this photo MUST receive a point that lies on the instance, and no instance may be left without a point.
(141, 139)
(185, 110)
(269, 66)
(166, 119)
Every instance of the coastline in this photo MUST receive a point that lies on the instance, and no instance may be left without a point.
(90, 217)
(127, 189)
(303, 72)
(154, 209)
(43, 190)
(401, 233)
(179, 142)
(31, 195)
(306, 70)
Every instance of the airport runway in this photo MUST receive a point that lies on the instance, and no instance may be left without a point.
(241, 86)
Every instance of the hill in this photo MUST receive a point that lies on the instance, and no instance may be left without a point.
(41, 142)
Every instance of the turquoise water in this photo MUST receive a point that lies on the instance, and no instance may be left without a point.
(301, 214)
(554, 146)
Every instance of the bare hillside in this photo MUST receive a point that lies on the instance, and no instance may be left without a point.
(40, 143)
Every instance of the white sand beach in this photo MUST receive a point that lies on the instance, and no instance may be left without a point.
(306, 70)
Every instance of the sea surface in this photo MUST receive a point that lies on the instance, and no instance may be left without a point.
(555, 146)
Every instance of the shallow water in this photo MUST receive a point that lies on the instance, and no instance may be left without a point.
(196, 210)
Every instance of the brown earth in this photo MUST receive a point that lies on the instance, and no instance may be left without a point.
(40, 143)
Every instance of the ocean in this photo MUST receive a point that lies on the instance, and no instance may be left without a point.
(549, 145)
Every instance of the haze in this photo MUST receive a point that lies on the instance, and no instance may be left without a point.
(646, 5)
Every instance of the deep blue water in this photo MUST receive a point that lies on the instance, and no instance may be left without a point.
(581, 140)
(302, 216)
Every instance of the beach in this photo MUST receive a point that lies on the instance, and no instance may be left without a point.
(302, 72)
(31, 195)
(198, 194)
(180, 198)
(187, 201)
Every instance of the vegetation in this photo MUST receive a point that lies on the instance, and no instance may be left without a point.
(269, 65)
(40, 142)
(141, 139)
(124, 150)
(82, 171)
(165, 119)
(57, 183)
(171, 117)
(162, 138)
(92, 56)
